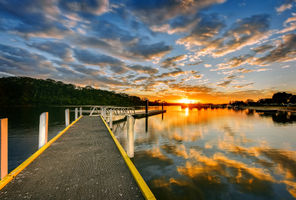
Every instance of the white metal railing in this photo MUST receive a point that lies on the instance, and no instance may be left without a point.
(106, 111)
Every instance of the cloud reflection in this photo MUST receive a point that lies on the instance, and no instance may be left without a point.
(216, 150)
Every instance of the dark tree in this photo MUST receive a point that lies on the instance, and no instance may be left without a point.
(238, 103)
(265, 101)
(292, 99)
(281, 97)
(29, 91)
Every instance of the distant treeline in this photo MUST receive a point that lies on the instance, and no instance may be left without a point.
(278, 99)
(29, 91)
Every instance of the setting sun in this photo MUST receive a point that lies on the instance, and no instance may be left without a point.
(187, 101)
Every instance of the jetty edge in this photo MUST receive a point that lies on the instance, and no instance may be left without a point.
(148, 195)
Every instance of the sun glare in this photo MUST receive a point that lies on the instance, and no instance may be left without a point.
(186, 112)
(187, 101)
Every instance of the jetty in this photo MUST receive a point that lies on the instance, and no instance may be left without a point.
(84, 161)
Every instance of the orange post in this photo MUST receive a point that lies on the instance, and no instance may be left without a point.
(4, 147)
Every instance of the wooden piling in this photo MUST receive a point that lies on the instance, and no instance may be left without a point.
(80, 111)
(67, 117)
(111, 119)
(130, 136)
(76, 113)
(43, 129)
(104, 112)
(146, 124)
(4, 147)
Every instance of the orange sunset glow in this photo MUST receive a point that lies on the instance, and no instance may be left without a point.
(148, 99)
(187, 101)
(182, 52)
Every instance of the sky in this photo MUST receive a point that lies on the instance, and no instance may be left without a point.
(204, 50)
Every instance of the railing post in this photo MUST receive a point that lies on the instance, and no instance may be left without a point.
(80, 111)
(67, 117)
(43, 129)
(91, 111)
(4, 147)
(111, 118)
(76, 113)
(104, 113)
(107, 116)
(130, 136)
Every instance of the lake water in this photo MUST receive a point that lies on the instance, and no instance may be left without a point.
(23, 130)
(216, 154)
(191, 154)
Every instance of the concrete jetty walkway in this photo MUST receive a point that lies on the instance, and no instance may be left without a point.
(84, 163)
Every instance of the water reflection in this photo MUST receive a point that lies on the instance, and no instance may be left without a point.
(280, 117)
(217, 154)
(186, 112)
(146, 124)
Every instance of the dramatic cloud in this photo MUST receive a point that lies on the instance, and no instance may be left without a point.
(155, 46)
(193, 89)
(32, 18)
(21, 62)
(135, 50)
(80, 68)
(178, 25)
(235, 62)
(107, 30)
(91, 42)
(285, 52)
(75, 72)
(247, 31)
(225, 83)
(166, 10)
(91, 58)
(140, 78)
(174, 73)
(172, 61)
(291, 19)
(204, 33)
(96, 7)
(59, 49)
(148, 51)
(284, 7)
(143, 69)
(263, 48)
(121, 42)
(289, 24)
(243, 85)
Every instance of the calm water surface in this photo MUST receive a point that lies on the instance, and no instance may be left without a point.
(216, 154)
(23, 130)
(191, 154)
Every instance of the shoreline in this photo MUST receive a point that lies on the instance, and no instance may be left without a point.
(272, 108)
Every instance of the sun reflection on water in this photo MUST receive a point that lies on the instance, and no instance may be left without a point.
(237, 153)
(186, 112)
